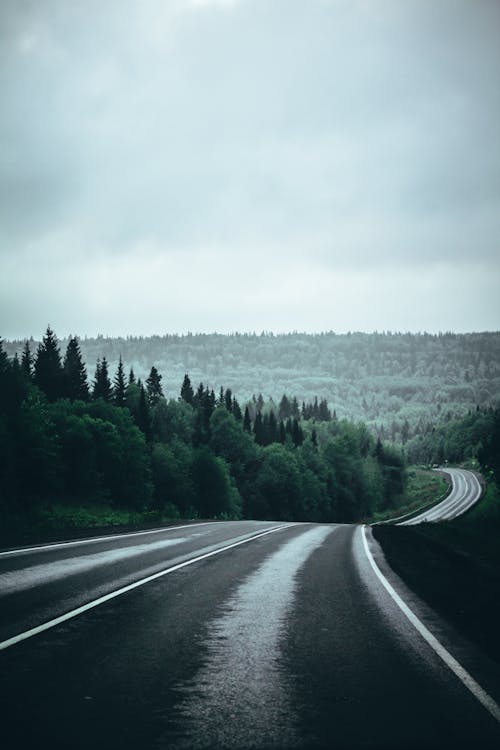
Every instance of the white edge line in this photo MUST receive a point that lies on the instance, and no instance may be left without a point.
(477, 691)
(113, 594)
(92, 539)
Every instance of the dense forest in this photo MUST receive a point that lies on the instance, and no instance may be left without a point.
(399, 384)
(201, 453)
(475, 437)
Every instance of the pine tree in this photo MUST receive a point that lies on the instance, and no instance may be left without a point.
(119, 387)
(315, 408)
(228, 400)
(143, 418)
(297, 434)
(284, 409)
(236, 409)
(48, 370)
(131, 376)
(273, 429)
(258, 429)
(282, 432)
(324, 414)
(247, 422)
(4, 361)
(264, 429)
(27, 361)
(75, 374)
(187, 393)
(199, 396)
(153, 386)
(102, 384)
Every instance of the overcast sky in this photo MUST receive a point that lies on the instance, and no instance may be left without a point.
(222, 165)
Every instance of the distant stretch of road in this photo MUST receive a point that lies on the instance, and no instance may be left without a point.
(231, 635)
(465, 492)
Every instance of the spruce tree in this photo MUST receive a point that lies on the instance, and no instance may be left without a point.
(187, 393)
(228, 400)
(297, 434)
(237, 411)
(27, 361)
(294, 407)
(143, 419)
(282, 432)
(284, 409)
(119, 386)
(273, 428)
(48, 370)
(75, 374)
(258, 429)
(153, 386)
(199, 396)
(324, 414)
(102, 383)
(131, 376)
(247, 422)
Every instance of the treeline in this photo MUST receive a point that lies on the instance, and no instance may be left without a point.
(397, 383)
(120, 441)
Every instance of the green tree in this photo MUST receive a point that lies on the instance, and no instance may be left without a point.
(27, 361)
(119, 385)
(143, 417)
(172, 420)
(38, 452)
(102, 384)
(153, 387)
(284, 410)
(217, 494)
(187, 393)
(48, 370)
(279, 484)
(75, 374)
(172, 477)
(247, 422)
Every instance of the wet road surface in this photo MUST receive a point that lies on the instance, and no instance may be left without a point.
(229, 635)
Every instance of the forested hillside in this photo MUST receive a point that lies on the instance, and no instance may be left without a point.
(398, 384)
(118, 441)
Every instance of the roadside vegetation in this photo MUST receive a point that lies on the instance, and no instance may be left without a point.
(116, 451)
(455, 565)
(424, 488)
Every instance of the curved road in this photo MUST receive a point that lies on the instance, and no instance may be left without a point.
(465, 492)
(232, 635)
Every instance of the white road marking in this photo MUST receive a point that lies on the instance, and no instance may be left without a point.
(477, 691)
(465, 492)
(90, 540)
(113, 594)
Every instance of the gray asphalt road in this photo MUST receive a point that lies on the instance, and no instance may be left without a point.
(465, 492)
(231, 635)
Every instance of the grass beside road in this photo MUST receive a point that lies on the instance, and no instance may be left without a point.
(424, 489)
(455, 567)
(60, 521)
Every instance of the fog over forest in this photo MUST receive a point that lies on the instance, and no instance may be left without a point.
(397, 382)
